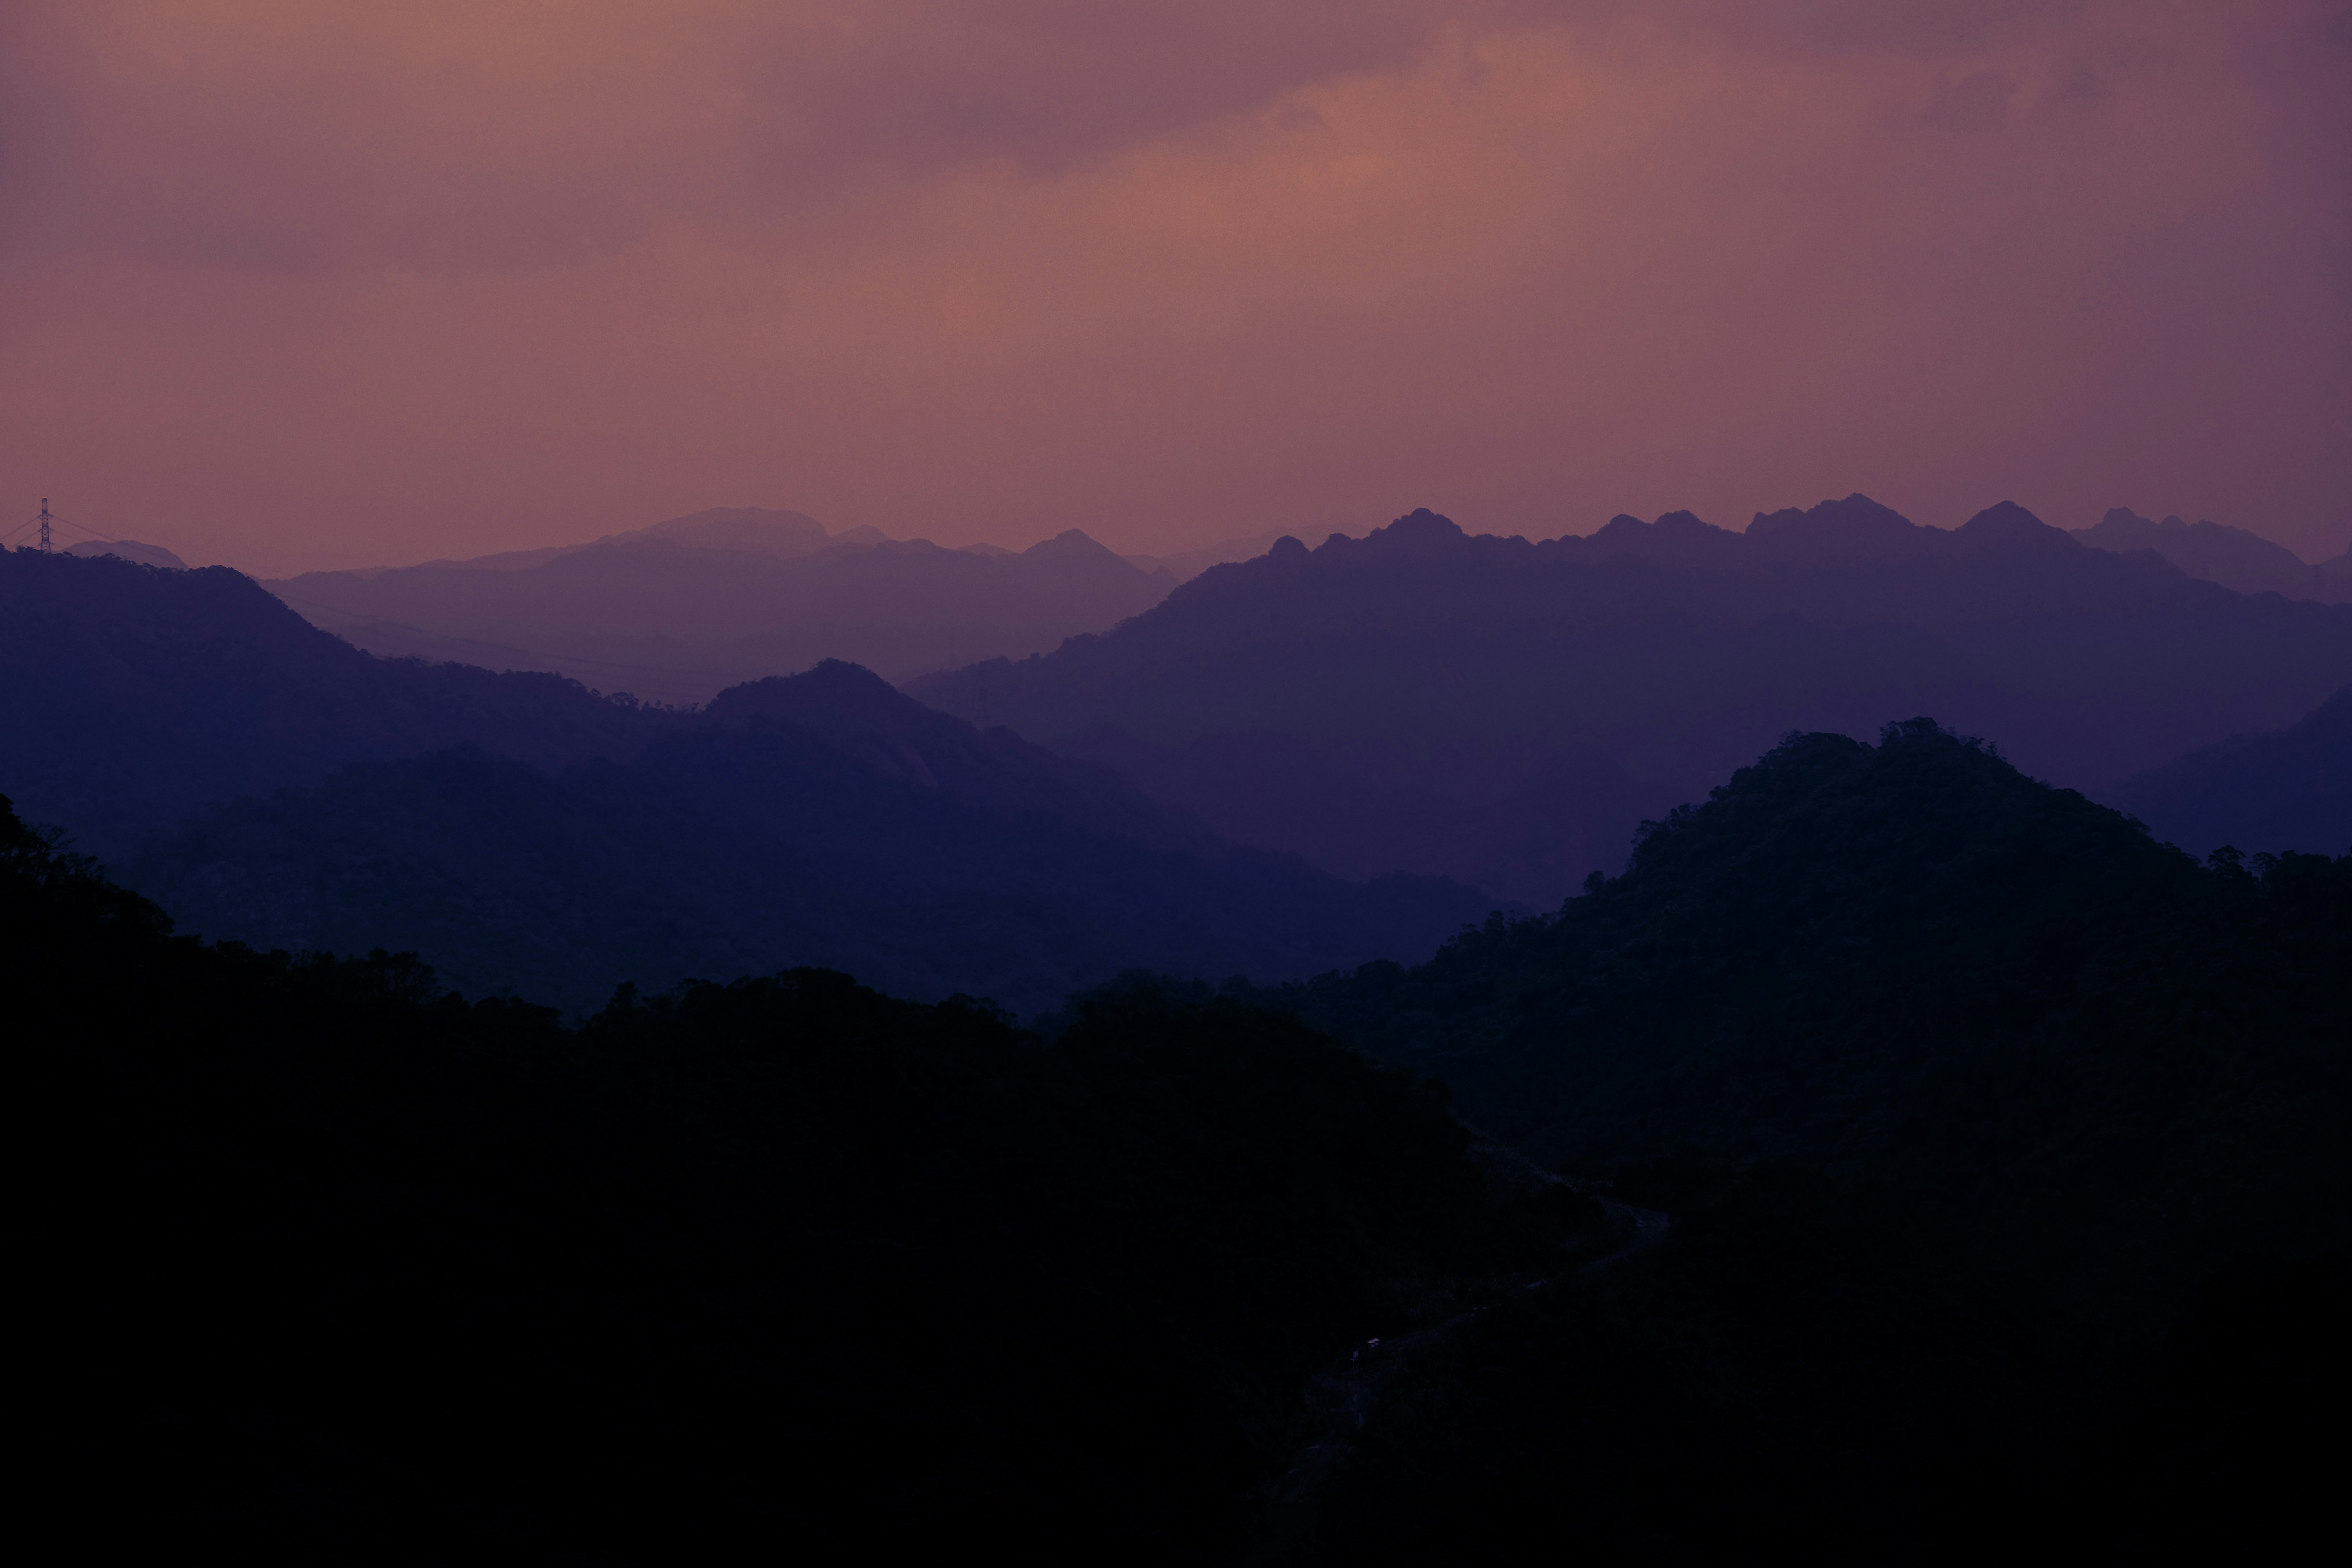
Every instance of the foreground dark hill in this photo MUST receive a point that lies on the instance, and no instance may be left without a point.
(131, 697)
(1960, 996)
(823, 820)
(2233, 557)
(677, 612)
(346, 1270)
(2289, 789)
(1424, 662)
(341, 1269)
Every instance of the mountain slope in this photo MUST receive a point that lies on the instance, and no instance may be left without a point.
(131, 697)
(680, 611)
(2233, 557)
(821, 820)
(1990, 1006)
(1433, 663)
(347, 1269)
(2288, 789)
(130, 549)
(760, 530)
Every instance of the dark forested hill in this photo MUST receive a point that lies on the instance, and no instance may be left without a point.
(1428, 664)
(677, 612)
(341, 1269)
(823, 820)
(2289, 789)
(1990, 1005)
(338, 1267)
(131, 697)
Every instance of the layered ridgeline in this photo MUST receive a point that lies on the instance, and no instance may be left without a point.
(1983, 1008)
(819, 819)
(2233, 557)
(272, 784)
(2286, 789)
(342, 1268)
(131, 696)
(676, 612)
(1506, 712)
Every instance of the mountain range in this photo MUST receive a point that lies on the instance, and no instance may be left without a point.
(131, 697)
(2233, 557)
(2281, 789)
(269, 783)
(1506, 712)
(677, 612)
(1907, 1099)
(822, 820)
(1834, 1182)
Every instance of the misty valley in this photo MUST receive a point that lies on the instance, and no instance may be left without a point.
(1830, 1040)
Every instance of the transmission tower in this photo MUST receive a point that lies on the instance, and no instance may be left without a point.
(45, 525)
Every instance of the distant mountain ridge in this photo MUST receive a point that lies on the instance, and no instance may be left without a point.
(1186, 564)
(1424, 662)
(131, 698)
(2233, 557)
(820, 820)
(271, 783)
(763, 530)
(683, 609)
(2284, 790)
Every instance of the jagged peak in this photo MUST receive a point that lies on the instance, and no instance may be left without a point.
(1857, 516)
(1422, 523)
(2008, 520)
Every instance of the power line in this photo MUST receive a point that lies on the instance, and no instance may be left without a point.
(45, 521)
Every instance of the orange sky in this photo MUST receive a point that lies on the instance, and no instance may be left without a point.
(301, 284)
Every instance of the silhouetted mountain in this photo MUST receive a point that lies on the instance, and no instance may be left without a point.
(130, 550)
(1524, 828)
(2289, 789)
(1954, 1085)
(2233, 557)
(131, 696)
(1427, 665)
(1992, 1008)
(1186, 564)
(787, 535)
(823, 820)
(2336, 578)
(680, 611)
(343, 1269)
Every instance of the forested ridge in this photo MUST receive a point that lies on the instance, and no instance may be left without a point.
(337, 1263)
(1974, 1001)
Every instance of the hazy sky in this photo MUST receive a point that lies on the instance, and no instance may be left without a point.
(305, 284)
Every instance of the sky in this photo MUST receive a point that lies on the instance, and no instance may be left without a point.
(309, 285)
